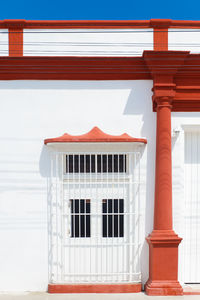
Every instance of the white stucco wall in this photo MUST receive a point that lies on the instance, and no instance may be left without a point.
(181, 122)
(184, 39)
(3, 42)
(87, 42)
(34, 110)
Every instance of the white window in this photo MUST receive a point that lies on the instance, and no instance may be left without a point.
(94, 216)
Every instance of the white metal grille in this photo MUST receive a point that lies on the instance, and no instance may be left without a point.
(94, 217)
(191, 240)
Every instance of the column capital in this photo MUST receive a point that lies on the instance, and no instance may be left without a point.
(164, 62)
(163, 101)
(163, 95)
(163, 66)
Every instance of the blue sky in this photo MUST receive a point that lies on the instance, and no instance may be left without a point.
(99, 9)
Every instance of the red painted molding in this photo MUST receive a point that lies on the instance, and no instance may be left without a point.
(160, 288)
(189, 290)
(73, 68)
(180, 72)
(15, 41)
(164, 65)
(75, 24)
(184, 24)
(95, 136)
(160, 39)
(95, 288)
(153, 23)
(160, 23)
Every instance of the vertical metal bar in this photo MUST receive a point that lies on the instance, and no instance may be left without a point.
(51, 221)
(191, 206)
(102, 217)
(112, 258)
(91, 237)
(107, 243)
(197, 210)
(135, 214)
(97, 229)
(130, 223)
(187, 196)
(62, 223)
(119, 261)
(74, 220)
(79, 216)
(57, 259)
(124, 246)
(85, 197)
(69, 220)
(139, 262)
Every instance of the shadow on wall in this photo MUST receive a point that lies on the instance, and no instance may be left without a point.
(45, 171)
(138, 104)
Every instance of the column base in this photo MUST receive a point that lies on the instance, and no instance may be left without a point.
(163, 288)
(163, 263)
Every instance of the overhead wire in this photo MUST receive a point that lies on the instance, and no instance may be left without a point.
(93, 53)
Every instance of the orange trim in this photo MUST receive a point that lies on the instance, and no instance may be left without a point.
(161, 288)
(163, 241)
(73, 68)
(184, 69)
(95, 288)
(191, 292)
(188, 289)
(15, 41)
(74, 24)
(160, 39)
(158, 23)
(95, 135)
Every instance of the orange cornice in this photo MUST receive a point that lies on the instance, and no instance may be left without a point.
(73, 68)
(178, 71)
(95, 136)
(164, 66)
(165, 63)
(74, 24)
(153, 23)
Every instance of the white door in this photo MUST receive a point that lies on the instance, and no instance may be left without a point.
(192, 208)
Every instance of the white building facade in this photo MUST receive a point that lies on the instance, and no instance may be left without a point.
(75, 211)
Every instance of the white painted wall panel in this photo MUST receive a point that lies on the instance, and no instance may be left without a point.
(192, 207)
(87, 42)
(34, 110)
(181, 123)
(184, 39)
(3, 42)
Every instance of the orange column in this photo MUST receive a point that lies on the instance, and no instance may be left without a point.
(163, 179)
(163, 242)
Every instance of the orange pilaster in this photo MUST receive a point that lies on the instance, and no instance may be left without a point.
(160, 35)
(15, 42)
(163, 241)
